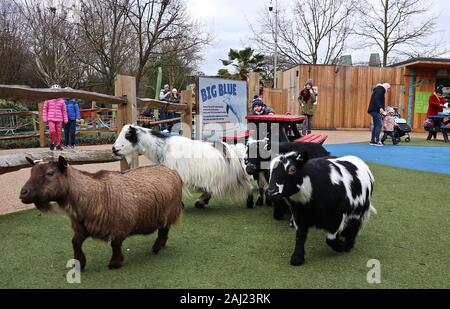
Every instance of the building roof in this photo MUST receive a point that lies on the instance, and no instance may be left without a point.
(428, 62)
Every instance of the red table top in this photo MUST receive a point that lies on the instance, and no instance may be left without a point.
(238, 136)
(276, 117)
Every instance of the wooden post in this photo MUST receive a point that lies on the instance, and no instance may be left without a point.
(125, 86)
(186, 116)
(33, 120)
(252, 87)
(41, 125)
(94, 120)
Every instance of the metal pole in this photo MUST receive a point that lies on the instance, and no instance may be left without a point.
(412, 80)
(276, 41)
(158, 87)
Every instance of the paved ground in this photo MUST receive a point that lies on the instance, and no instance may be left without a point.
(429, 159)
(11, 183)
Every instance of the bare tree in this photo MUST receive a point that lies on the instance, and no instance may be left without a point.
(14, 55)
(156, 22)
(178, 66)
(180, 62)
(395, 26)
(46, 23)
(314, 32)
(103, 41)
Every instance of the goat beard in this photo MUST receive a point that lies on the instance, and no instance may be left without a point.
(43, 206)
(128, 158)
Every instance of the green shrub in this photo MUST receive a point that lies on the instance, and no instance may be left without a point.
(22, 120)
(6, 104)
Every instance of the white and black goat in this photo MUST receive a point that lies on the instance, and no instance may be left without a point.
(213, 168)
(331, 194)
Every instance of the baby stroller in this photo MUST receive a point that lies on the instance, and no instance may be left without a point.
(402, 128)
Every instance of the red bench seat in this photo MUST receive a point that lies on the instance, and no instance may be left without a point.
(312, 138)
(237, 137)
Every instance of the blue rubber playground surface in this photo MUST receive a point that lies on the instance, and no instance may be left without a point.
(429, 159)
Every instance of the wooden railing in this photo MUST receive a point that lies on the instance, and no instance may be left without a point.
(26, 93)
(124, 102)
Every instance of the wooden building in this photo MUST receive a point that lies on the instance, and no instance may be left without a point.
(344, 91)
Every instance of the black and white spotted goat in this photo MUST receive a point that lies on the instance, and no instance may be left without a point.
(257, 159)
(216, 169)
(331, 194)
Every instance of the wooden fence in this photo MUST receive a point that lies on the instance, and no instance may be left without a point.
(344, 93)
(125, 104)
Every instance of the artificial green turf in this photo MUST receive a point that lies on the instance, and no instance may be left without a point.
(229, 246)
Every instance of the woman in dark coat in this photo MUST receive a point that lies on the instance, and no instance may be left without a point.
(376, 108)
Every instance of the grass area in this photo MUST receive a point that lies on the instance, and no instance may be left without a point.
(415, 141)
(229, 246)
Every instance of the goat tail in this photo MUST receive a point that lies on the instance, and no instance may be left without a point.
(180, 216)
(186, 192)
(373, 210)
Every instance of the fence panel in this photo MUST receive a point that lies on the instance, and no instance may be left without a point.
(344, 93)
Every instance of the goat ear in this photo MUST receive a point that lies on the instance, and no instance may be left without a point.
(302, 157)
(62, 164)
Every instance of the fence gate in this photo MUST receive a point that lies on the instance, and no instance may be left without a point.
(8, 123)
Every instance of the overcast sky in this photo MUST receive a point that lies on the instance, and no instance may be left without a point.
(228, 21)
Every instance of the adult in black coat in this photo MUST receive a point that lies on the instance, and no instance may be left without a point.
(376, 108)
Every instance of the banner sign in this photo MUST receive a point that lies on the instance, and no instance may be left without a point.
(421, 102)
(222, 104)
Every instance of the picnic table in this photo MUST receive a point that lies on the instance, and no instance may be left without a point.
(285, 123)
(440, 125)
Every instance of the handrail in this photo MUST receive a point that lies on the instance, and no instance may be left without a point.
(164, 121)
(15, 162)
(167, 106)
(20, 113)
(24, 92)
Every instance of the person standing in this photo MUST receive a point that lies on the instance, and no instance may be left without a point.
(435, 104)
(73, 115)
(376, 108)
(164, 94)
(389, 126)
(308, 104)
(174, 97)
(55, 114)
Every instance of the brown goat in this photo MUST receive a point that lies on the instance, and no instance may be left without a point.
(108, 205)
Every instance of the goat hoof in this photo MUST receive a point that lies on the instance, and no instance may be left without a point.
(155, 250)
(199, 205)
(157, 247)
(260, 201)
(277, 214)
(297, 261)
(115, 265)
(249, 204)
(337, 245)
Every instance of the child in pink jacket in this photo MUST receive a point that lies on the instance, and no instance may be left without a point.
(55, 114)
(389, 126)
